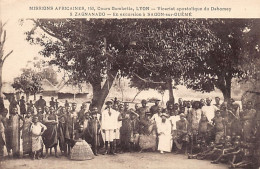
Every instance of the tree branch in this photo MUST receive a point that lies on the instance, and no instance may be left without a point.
(148, 81)
(48, 32)
(3, 42)
(7, 56)
(144, 66)
(139, 91)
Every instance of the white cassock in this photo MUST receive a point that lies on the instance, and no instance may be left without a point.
(165, 139)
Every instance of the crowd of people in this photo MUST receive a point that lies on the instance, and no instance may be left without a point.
(221, 132)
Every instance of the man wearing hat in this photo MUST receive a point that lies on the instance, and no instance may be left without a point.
(155, 107)
(164, 134)
(109, 123)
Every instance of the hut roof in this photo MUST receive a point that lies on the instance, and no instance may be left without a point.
(74, 89)
(8, 88)
(47, 85)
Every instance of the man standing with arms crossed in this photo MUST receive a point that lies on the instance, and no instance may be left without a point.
(109, 122)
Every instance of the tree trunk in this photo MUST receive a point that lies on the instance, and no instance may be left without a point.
(227, 91)
(27, 96)
(171, 97)
(34, 96)
(1, 79)
(100, 94)
(96, 93)
(224, 85)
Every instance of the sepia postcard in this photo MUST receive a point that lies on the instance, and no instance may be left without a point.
(107, 84)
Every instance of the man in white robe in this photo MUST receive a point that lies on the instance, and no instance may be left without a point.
(164, 134)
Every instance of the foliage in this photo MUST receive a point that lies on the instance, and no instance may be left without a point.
(226, 60)
(44, 69)
(28, 82)
(166, 50)
(199, 53)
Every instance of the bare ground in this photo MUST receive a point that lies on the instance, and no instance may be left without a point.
(146, 160)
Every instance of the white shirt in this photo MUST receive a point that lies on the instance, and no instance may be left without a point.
(209, 111)
(173, 119)
(156, 118)
(109, 122)
(37, 128)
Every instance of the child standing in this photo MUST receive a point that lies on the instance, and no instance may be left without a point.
(37, 129)
(134, 130)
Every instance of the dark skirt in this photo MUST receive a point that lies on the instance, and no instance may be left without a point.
(61, 138)
(50, 136)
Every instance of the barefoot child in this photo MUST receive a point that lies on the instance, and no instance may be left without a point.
(37, 130)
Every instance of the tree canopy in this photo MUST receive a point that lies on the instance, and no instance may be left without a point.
(28, 82)
(199, 53)
(229, 58)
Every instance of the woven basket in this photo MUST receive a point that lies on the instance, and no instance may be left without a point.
(81, 151)
(147, 142)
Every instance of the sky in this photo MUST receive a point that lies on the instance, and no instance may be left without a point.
(22, 50)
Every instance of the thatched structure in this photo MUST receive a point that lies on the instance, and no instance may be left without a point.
(48, 88)
(69, 91)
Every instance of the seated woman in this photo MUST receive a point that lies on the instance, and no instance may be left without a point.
(147, 138)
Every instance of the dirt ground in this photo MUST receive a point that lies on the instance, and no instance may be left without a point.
(146, 160)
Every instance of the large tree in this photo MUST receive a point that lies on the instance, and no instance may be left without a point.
(226, 60)
(87, 49)
(97, 50)
(166, 49)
